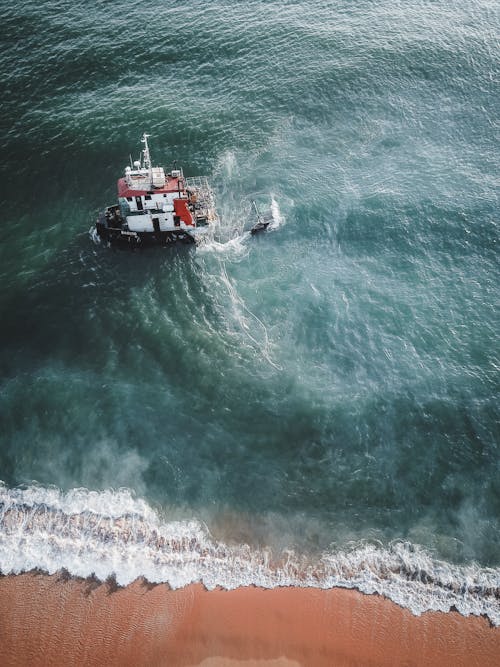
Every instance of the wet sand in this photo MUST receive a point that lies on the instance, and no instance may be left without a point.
(57, 620)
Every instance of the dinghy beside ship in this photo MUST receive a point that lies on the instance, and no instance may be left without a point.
(157, 208)
(264, 219)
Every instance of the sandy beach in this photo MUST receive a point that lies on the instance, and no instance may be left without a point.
(57, 620)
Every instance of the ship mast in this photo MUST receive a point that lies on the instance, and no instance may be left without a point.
(145, 152)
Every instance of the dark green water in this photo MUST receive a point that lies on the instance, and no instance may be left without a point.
(334, 382)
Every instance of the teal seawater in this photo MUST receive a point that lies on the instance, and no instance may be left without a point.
(333, 381)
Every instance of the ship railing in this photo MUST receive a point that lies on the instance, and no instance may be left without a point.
(205, 202)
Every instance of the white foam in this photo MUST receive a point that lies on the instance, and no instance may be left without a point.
(262, 344)
(234, 247)
(94, 235)
(278, 218)
(227, 165)
(111, 532)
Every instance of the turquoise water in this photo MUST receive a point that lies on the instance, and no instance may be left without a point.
(331, 385)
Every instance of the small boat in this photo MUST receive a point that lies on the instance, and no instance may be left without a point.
(263, 219)
(157, 208)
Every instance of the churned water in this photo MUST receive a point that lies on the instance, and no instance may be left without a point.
(317, 405)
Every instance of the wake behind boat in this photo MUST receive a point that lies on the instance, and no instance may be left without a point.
(157, 208)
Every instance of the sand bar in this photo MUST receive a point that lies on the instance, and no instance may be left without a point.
(57, 620)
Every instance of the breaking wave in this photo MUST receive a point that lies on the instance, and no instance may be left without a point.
(112, 533)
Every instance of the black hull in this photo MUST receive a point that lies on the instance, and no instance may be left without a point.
(259, 227)
(110, 230)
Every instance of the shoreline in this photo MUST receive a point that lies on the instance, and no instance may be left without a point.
(60, 619)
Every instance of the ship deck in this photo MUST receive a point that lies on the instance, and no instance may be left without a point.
(172, 184)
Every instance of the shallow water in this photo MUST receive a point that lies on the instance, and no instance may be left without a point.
(330, 385)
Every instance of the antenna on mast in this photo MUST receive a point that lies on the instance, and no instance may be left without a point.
(147, 157)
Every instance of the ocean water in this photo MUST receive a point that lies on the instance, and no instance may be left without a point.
(318, 405)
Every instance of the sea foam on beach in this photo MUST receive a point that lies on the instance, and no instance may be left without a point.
(113, 534)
